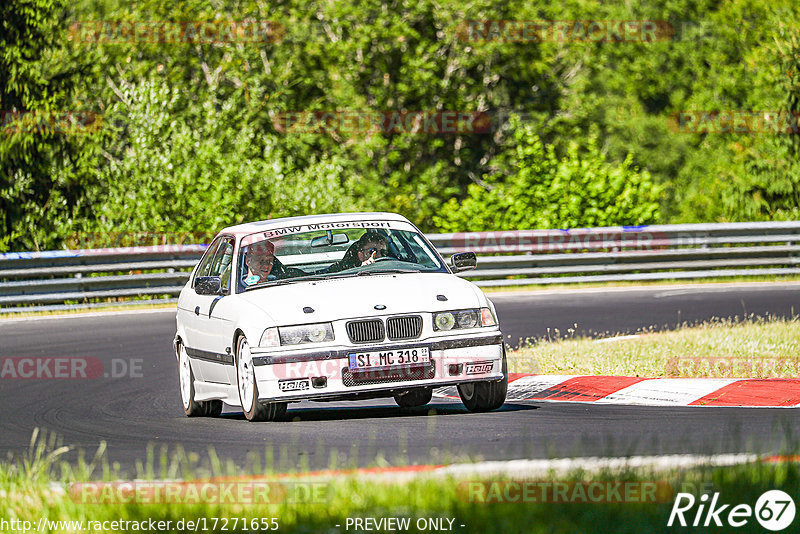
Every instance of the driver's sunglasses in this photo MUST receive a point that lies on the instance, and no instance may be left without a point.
(377, 251)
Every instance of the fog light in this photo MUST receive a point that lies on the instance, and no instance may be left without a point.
(319, 381)
(455, 369)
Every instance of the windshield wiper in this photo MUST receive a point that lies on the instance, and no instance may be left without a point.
(390, 271)
(283, 281)
(326, 276)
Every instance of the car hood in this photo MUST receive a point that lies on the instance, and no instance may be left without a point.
(340, 298)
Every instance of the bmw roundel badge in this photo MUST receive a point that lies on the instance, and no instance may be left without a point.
(380, 307)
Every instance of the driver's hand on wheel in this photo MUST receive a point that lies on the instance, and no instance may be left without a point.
(370, 260)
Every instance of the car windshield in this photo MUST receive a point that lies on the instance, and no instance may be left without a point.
(319, 251)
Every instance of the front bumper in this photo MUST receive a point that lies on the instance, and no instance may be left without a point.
(321, 374)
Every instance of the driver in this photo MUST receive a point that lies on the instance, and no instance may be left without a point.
(262, 265)
(260, 259)
(370, 247)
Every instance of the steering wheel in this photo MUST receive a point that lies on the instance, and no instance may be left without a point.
(384, 258)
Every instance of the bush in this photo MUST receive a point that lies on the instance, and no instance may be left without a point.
(544, 190)
(179, 166)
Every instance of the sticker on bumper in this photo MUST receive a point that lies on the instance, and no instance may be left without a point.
(294, 385)
(478, 368)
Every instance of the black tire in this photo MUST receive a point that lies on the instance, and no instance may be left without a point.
(213, 408)
(256, 411)
(192, 407)
(415, 397)
(485, 396)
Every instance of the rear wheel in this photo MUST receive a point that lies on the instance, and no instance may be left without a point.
(485, 396)
(192, 407)
(415, 397)
(248, 388)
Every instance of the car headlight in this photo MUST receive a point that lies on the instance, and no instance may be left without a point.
(307, 333)
(443, 321)
(462, 319)
(467, 319)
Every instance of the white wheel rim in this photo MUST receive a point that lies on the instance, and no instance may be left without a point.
(185, 374)
(245, 375)
(469, 390)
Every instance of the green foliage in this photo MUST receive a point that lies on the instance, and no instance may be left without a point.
(44, 167)
(188, 166)
(756, 176)
(190, 142)
(544, 190)
(93, 493)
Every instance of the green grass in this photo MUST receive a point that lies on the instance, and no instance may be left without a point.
(144, 305)
(28, 493)
(757, 348)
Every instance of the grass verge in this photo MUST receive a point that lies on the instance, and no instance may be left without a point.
(41, 488)
(111, 307)
(757, 348)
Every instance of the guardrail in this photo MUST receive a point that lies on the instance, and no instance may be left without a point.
(71, 278)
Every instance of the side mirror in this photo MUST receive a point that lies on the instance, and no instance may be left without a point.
(463, 261)
(208, 285)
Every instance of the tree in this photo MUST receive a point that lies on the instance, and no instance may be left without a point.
(543, 190)
(45, 139)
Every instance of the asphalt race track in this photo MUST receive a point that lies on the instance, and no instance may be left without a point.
(144, 405)
(610, 311)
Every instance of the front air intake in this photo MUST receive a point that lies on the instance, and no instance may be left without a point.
(406, 327)
(367, 331)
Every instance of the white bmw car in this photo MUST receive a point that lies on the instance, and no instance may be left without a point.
(333, 307)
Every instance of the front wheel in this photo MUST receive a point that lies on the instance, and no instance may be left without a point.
(248, 388)
(192, 407)
(485, 396)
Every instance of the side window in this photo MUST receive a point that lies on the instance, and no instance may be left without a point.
(221, 266)
(208, 257)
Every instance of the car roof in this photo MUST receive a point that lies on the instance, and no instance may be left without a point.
(260, 226)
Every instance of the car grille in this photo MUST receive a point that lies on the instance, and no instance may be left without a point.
(406, 327)
(368, 331)
(381, 376)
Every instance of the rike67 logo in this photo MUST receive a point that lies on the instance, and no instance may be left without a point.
(774, 510)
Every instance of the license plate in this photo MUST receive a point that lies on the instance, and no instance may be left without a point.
(388, 358)
(478, 368)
